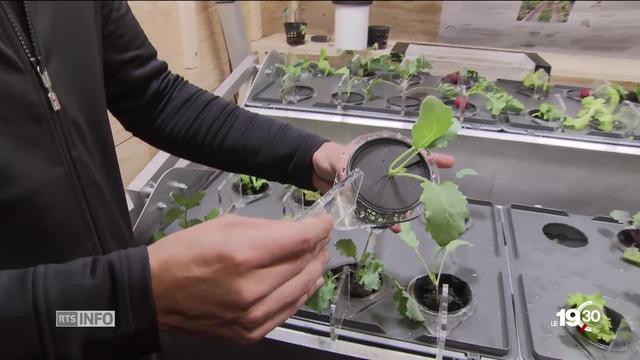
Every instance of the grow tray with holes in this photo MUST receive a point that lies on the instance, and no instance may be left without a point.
(525, 124)
(482, 267)
(316, 93)
(553, 253)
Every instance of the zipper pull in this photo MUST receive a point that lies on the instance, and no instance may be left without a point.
(46, 82)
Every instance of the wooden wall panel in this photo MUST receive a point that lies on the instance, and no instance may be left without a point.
(161, 22)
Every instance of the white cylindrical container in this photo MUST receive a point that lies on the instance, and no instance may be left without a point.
(352, 24)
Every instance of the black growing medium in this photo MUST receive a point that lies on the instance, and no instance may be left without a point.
(459, 293)
(565, 235)
(410, 102)
(383, 198)
(356, 290)
(353, 98)
(629, 237)
(248, 190)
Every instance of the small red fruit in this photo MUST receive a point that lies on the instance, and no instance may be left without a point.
(584, 92)
(453, 77)
(461, 103)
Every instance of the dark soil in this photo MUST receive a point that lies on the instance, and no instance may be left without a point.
(459, 293)
(356, 290)
(630, 237)
(248, 190)
(298, 196)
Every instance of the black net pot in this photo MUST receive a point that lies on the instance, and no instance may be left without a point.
(469, 111)
(243, 190)
(352, 98)
(295, 32)
(424, 291)
(356, 291)
(384, 200)
(378, 34)
(540, 121)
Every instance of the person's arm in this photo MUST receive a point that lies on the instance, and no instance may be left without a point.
(166, 111)
(119, 281)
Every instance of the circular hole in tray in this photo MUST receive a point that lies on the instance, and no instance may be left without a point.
(354, 98)
(541, 121)
(470, 110)
(300, 93)
(410, 102)
(298, 198)
(413, 80)
(459, 293)
(629, 237)
(616, 319)
(565, 235)
(356, 291)
(446, 80)
(574, 94)
(247, 191)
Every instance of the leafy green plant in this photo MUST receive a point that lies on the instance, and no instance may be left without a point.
(593, 109)
(601, 329)
(409, 68)
(310, 195)
(537, 80)
(631, 254)
(180, 212)
(549, 112)
(447, 91)
(323, 63)
(252, 184)
(367, 272)
(498, 100)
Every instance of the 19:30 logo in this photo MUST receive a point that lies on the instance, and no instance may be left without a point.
(587, 312)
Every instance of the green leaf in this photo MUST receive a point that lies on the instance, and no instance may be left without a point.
(190, 223)
(455, 244)
(452, 132)
(600, 330)
(311, 195)
(445, 211)
(158, 235)
(549, 112)
(466, 172)
(636, 220)
(343, 71)
(434, 120)
(346, 248)
(407, 235)
(172, 214)
(447, 91)
(407, 305)
(321, 299)
(369, 275)
(214, 213)
(620, 216)
(191, 201)
(632, 255)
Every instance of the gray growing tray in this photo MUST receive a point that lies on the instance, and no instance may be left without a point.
(545, 272)
(523, 124)
(490, 329)
(267, 87)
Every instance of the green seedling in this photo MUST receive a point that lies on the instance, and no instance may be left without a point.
(537, 80)
(593, 109)
(600, 329)
(498, 100)
(448, 91)
(632, 253)
(252, 184)
(180, 212)
(549, 112)
(367, 272)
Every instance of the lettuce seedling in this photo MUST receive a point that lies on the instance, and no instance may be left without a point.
(497, 100)
(310, 195)
(549, 112)
(593, 109)
(367, 272)
(601, 329)
(537, 80)
(251, 183)
(184, 204)
(447, 91)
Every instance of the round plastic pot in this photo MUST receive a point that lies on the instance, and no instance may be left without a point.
(295, 33)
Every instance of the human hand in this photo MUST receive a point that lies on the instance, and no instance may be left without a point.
(331, 157)
(237, 278)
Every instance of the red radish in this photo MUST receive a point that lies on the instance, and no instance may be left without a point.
(461, 103)
(453, 77)
(584, 92)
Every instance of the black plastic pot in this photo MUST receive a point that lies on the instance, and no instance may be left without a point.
(470, 110)
(410, 102)
(356, 291)
(247, 190)
(424, 291)
(378, 34)
(296, 32)
(629, 237)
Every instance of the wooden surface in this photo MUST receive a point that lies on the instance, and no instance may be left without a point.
(161, 21)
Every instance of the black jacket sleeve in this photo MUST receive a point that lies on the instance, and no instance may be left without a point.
(166, 111)
(119, 281)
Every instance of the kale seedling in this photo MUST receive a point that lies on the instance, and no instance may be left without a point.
(323, 63)
(291, 74)
(631, 254)
(549, 112)
(537, 80)
(184, 204)
(498, 100)
(601, 329)
(367, 272)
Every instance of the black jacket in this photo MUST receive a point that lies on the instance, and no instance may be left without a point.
(65, 235)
